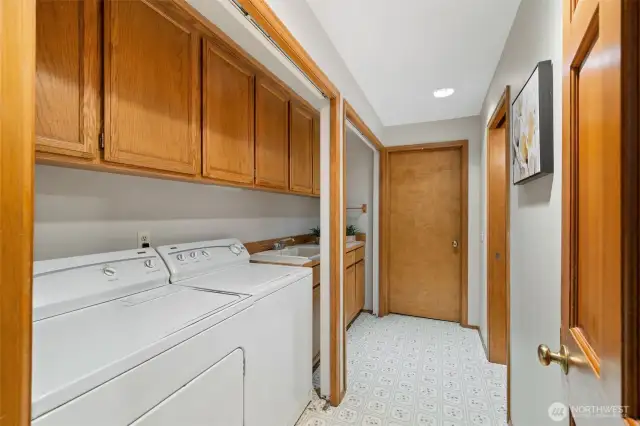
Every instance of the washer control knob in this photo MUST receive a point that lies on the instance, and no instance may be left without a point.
(108, 271)
(150, 263)
(205, 253)
(180, 257)
(193, 255)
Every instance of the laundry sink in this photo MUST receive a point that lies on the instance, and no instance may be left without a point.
(293, 255)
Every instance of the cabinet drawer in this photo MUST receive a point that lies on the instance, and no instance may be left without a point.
(349, 259)
(359, 254)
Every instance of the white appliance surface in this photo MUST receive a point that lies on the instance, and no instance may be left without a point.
(279, 347)
(227, 270)
(96, 319)
(215, 397)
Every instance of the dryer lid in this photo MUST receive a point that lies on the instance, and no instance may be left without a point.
(253, 279)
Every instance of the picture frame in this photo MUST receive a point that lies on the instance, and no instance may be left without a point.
(532, 126)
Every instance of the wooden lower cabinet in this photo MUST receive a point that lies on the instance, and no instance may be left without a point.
(350, 293)
(354, 290)
(360, 275)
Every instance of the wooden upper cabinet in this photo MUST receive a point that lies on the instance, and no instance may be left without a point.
(228, 116)
(152, 105)
(272, 135)
(316, 155)
(301, 148)
(67, 77)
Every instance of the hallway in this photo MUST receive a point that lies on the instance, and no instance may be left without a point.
(413, 371)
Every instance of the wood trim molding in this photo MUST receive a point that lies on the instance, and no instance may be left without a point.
(631, 209)
(273, 26)
(502, 114)
(336, 252)
(17, 144)
(463, 146)
(362, 127)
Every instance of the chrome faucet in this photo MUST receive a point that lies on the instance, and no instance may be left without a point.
(279, 245)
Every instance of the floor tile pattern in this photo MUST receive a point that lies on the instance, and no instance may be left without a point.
(413, 371)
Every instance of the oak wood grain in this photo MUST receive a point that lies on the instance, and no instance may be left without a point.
(68, 113)
(17, 141)
(316, 155)
(272, 134)
(228, 115)
(425, 218)
(301, 138)
(592, 211)
(152, 112)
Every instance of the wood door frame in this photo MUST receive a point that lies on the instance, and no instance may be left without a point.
(630, 207)
(385, 216)
(17, 154)
(352, 116)
(502, 113)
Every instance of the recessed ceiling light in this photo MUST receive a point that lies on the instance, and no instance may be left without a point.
(443, 93)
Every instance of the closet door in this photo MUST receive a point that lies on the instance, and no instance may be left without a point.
(152, 109)
(272, 135)
(67, 77)
(228, 115)
(301, 149)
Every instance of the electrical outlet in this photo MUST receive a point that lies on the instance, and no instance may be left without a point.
(144, 239)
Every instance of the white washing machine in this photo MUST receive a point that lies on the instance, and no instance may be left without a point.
(115, 344)
(278, 382)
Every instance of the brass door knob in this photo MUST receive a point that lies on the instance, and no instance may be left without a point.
(546, 357)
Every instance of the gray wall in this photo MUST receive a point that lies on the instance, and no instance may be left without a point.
(536, 35)
(451, 130)
(81, 212)
(359, 186)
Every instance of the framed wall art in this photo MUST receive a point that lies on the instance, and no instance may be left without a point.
(532, 126)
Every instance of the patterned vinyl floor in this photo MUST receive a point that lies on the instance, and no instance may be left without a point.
(412, 371)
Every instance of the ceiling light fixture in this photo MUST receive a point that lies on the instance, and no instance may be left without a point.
(443, 93)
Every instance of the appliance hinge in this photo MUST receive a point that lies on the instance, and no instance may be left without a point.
(101, 140)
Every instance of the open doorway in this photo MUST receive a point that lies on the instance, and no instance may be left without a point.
(498, 178)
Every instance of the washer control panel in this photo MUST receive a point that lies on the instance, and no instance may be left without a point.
(195, 259)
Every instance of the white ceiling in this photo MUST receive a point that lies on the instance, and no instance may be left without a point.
(400, 51)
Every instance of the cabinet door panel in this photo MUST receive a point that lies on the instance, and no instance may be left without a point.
(350, 293)
(316, 155)
(67, 77)
(228, 112)
(272, 135)
(151, 88)
(360, 286)
(301, 149)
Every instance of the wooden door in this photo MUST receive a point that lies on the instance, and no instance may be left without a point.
(301, 148)
(425, 233)
(591, 211)
(152, 108)
(350, 293)
(497, 187)
(272, 135)
(228, 116)
(67, 77)
(316, 155)
(360, 286)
